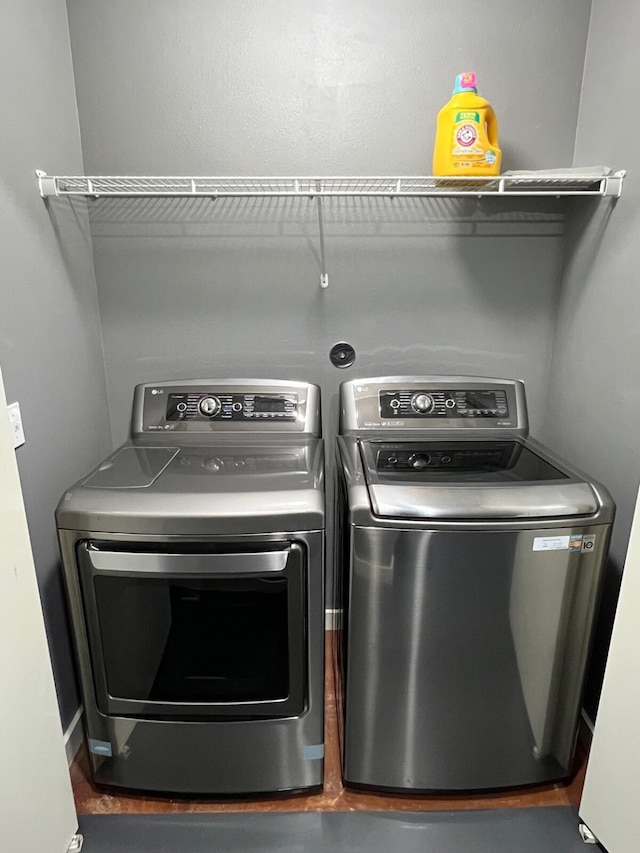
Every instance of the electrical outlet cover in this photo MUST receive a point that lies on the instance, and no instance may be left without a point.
(15, 419)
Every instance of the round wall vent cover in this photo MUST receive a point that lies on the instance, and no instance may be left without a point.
(342, 355)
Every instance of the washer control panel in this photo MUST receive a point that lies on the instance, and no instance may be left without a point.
(437, 403)
(403, 457)
(203, 405)
(446, 403)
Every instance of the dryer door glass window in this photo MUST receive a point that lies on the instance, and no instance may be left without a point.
(199, 633)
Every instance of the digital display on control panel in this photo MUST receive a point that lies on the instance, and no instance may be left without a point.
(270, 403)
(218, 406)
(481, 399)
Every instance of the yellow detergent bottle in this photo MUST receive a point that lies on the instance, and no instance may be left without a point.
(466, 133)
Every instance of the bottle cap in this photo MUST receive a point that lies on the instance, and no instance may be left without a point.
(466, 82)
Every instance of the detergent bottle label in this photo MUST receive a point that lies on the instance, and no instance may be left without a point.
(468, 115)
(466, 134)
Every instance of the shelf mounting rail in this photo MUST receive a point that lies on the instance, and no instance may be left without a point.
(557, 183)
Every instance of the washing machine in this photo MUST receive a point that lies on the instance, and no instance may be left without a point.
(193, 559)
(469, 561)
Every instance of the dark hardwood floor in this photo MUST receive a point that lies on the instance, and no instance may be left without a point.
(334, 797)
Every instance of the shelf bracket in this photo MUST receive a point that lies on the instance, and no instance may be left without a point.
(324, 276)
(46, 185)
(614, 183)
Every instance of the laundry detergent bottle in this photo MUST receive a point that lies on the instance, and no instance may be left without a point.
(466, 133)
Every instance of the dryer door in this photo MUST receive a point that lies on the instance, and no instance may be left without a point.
(192, 632)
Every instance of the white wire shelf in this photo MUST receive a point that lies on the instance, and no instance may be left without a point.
(531, 184)
(555, 184)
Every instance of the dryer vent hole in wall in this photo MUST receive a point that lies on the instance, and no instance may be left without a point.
(342, 355)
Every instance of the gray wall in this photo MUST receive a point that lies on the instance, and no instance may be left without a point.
(50, 347)
(594, 404)
(231, 288)
(245, 87)
(412, 289)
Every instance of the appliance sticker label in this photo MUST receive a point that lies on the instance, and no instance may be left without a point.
(588, 543)
(551, 543)
(313, 751)
(575, 543)
(100, 747)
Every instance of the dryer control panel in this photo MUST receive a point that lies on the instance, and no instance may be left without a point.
(206, 405)
(203, 409)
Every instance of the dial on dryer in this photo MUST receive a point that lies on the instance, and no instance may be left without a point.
(209, 406)
(422, 403)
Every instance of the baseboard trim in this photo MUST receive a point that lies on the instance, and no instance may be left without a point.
(332, 619)
(74, 735)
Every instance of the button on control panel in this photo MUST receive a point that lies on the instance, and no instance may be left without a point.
(430, 403)
(204, 406)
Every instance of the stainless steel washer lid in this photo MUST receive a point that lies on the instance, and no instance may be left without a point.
(470, 480)
(208, 490)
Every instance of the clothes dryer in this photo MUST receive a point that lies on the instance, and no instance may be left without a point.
(193, 560)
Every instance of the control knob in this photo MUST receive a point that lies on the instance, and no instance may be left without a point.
(418, 460)
(212, 464)
(422, 403)
(209, 406)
